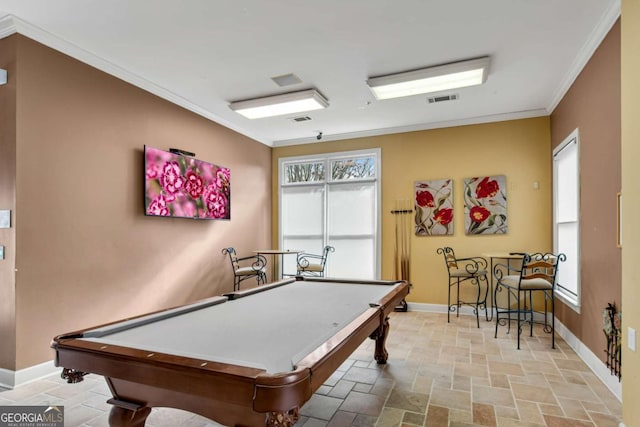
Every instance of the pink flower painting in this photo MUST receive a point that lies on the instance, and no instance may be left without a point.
(434, 207)
(485, 205)
(181, 186)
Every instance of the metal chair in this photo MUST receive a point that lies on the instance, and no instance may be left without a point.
(313, 265)
(537, 273)
(472, 270)
(246, 267)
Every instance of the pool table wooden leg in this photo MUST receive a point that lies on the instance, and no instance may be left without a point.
(127, 414)
(380, 336)
(283, 419)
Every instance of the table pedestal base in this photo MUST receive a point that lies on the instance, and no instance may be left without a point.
(381, 355)
(127, 414)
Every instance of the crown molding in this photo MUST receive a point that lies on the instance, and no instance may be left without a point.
(7, 25)
(10, 24)
(608, 19)
(418, 127)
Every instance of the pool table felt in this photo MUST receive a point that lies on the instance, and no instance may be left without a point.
(270, 330)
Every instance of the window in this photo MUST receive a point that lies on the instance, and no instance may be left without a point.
(333, 199)
(566, 218)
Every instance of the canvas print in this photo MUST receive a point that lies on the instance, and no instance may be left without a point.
(485, 205)
(181, 186)
(434, 207)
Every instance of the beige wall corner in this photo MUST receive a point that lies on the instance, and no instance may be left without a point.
(8, 202)
(630, 207)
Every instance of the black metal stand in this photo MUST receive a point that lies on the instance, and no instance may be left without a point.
(612, 321)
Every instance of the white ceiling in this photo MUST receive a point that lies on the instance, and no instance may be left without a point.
(203, 54)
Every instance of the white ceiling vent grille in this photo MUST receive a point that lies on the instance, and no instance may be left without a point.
(301, 119)
(442, 98)
(286, 80)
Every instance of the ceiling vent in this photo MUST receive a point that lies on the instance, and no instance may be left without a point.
(442, 98)
(286, 80)
(301, 119)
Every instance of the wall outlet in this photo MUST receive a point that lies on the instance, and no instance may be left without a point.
(631, 338)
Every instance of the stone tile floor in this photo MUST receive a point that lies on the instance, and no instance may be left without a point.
(438, 374)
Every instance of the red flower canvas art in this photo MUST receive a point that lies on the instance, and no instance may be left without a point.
(485, 205)
(434, 207)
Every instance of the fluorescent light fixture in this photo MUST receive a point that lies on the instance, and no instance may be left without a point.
(3, 77)
(278, 105)
(433, 79)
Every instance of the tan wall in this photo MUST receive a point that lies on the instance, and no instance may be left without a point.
(630, 207)
(519, 149)
(86, 254)
(7, 201)
(592, 105)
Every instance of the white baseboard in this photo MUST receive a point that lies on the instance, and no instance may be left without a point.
(437, 308)
(12, 379)
(597, 366)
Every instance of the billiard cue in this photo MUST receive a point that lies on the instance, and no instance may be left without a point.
(397, 241)
(402, 247)
(406, 233)
(401, 242)
(396, 273)
(405, 240)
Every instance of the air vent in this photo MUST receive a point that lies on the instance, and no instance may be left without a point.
(286, 80)
(301, 119)
(442, 98)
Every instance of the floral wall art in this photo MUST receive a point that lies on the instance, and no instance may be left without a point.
(485, 205)
(434, 207)
(181, 186)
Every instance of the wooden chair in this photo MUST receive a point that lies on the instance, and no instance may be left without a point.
(246, 267)
(472, 271)
(537, 273)
(312, 264)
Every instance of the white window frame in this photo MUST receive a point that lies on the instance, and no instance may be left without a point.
(327, 158)
(568, 298)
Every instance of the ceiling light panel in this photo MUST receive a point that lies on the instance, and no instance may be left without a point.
(278, 105)
(432, 79)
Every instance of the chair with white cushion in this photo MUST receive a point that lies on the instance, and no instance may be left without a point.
(537, 274)
(471, 271)
(248, 267)
(312, 264)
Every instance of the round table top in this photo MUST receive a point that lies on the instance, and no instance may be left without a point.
(503, 255)
(278, 251)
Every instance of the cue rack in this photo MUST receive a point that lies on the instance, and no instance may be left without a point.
(402, 244)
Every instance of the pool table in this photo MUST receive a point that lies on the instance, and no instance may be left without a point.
(248, 358)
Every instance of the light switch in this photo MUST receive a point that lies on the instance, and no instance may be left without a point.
(5, 219)
(631, 339)
(1, 252)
